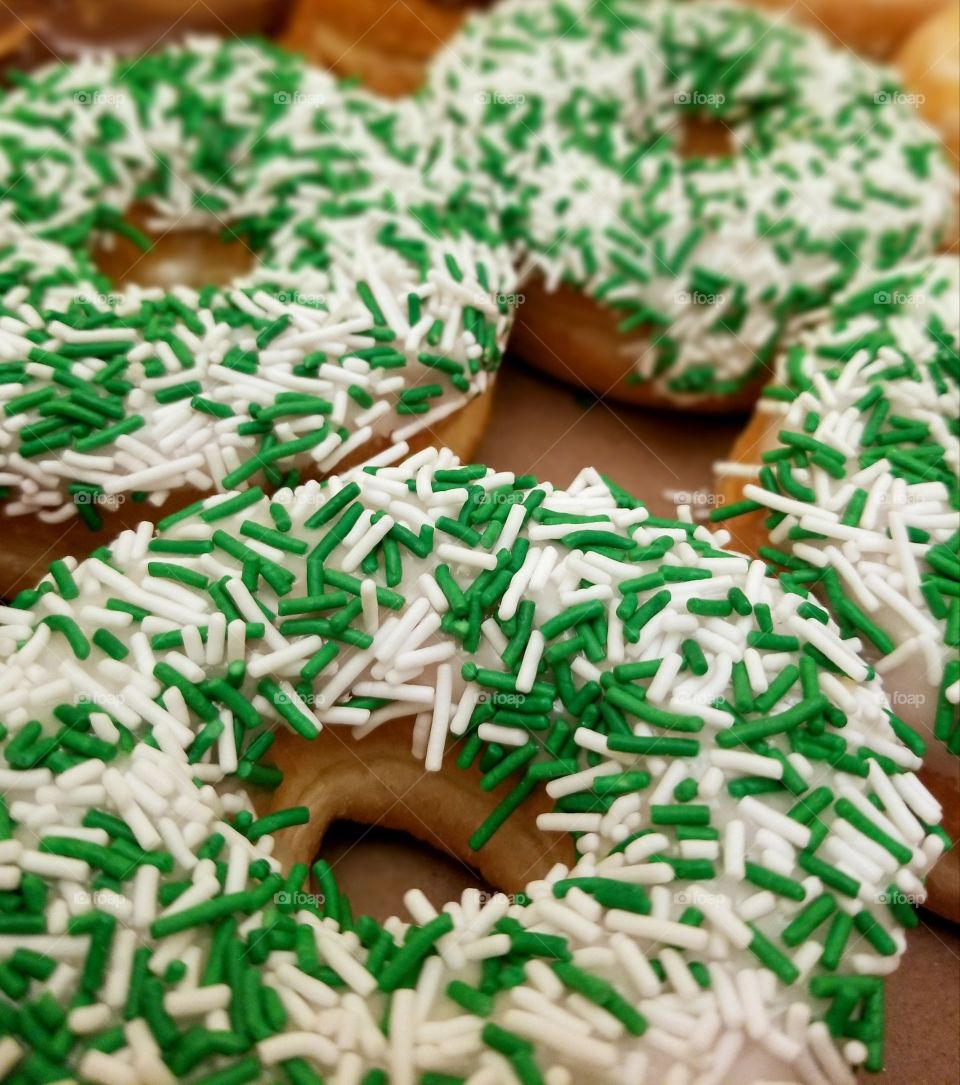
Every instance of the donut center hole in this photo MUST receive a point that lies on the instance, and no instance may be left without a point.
(191, 256)
(375, 866)
(703, 136)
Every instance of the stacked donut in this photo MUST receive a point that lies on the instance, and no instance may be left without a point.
(748, 827)
(371, 314)
(655, 269)
(850, 469)
(387, 48)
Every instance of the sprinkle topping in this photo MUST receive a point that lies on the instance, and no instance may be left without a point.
(372, 309)
(570, 118)
(861, 479)
(749, 830)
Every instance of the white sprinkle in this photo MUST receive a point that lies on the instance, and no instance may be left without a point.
(657, 930)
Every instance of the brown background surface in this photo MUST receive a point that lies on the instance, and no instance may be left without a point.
(551, 430)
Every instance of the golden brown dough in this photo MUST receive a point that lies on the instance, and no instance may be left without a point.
(377, 782)
(575, 339)
(873, 28)
(387, 45)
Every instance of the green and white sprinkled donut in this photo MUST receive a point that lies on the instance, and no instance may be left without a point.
(371, 313)
(657, 271)
(850, 473)
(861, 454)
(748, 830)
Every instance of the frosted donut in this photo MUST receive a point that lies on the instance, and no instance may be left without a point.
(371, 313)
(929, 63)
(388, 48)
(858, 496)
(729, 830)
(872, 28)
(655, 271)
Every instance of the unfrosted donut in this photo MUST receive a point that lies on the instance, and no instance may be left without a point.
(658, 267)
(737, 827)
(872, 28)
(848, 478)
(370, 313)
(387, 47)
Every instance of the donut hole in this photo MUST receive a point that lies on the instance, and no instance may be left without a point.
(375, 867)
(176, 257)
(704, 136)
(377, 782)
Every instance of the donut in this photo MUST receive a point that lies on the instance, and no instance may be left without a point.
(929, 62)
(15, 41)
(368, 313)
(872, 28)
(67, 28)
(846, 479)
(692, 774)
(387, 48)
(390, 49)
(659, 267)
